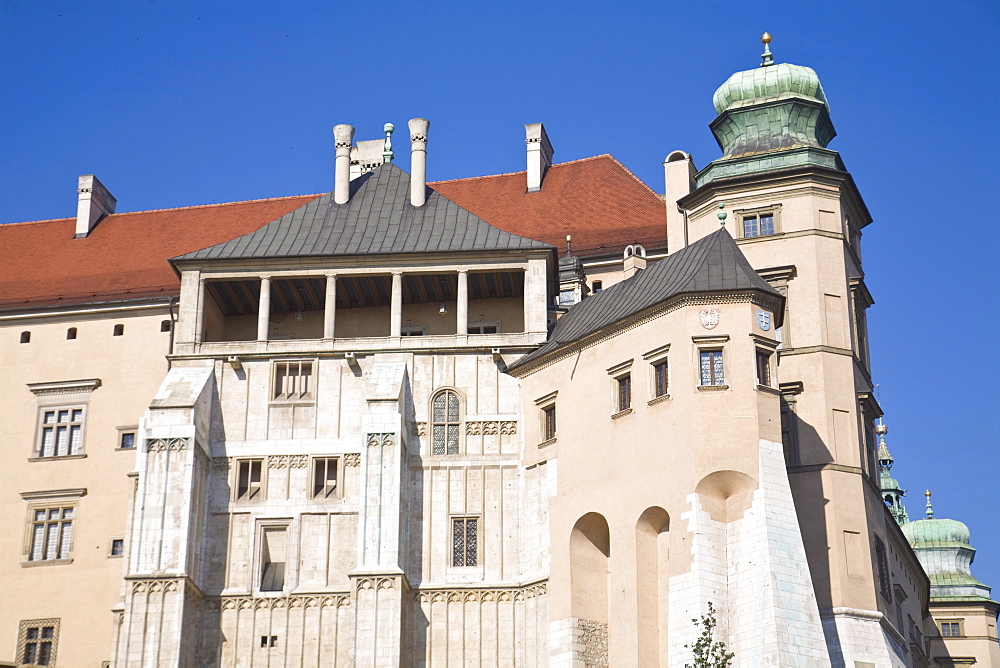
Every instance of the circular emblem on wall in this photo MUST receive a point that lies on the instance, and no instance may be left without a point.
(764, 320)
(709, 318)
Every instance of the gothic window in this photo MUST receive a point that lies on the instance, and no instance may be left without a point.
(464, 541)
(446, 423)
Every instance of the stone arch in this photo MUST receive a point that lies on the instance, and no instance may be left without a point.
(726, 495)
(652, 532)
(676, 156)
(589, 555)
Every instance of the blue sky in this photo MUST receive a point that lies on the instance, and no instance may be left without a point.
(181, 103)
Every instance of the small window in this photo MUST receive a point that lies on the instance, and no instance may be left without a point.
(712, 372)
(661, 385)
(126, 440)
(293, 380)
(248, 479)
(464, 535)
(269, 641)
(951, 629)
(61, 432)
(446, 423)
(119, 329)
(165, 326)
(598, 286)
(763, 368)
(758, 225)
(51, 533)
(36, 642)
(324, 477)
(25, 337)
(272, 559)
(549, 422)
(71, 333)
(117, 547)
(623, 386)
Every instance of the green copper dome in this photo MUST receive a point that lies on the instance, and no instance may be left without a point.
(764, 84)
(933, 532)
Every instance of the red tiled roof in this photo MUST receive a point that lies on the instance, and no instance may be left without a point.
(124, 256)
(596, 200)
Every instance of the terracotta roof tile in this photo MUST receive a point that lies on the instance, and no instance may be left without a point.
(596, 200)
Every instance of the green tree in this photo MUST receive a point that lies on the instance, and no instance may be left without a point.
(708, 652)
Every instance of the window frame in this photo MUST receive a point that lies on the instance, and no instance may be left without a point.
(42, 425)
(111, 547)
(545, 403)
(763, 361)
(47, 501)
(413, 330)
(655, 358)
(122, 432)
(712, 351)
(337, 492)
(295, 396)
(249, 497)
(263, 526)
(459, 423)
(481, 324)
(23, 640)
(465, 519)
(622, 389)
(772, 210)
(958, 622)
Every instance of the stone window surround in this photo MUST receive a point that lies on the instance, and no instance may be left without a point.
(618, 373)
(720, 343)
(22, 637)
(111, 547)
(763, 344)
(452, 519)
(234, 483)
(128, 429)
(67, 394)
(534, 281)
(653, 358)
(44, 500)
(271, 523)
(310, 398)
(772, 209)
(462, 403)
(960, 621)
(544, 403)
(779, 278)
(338, 491)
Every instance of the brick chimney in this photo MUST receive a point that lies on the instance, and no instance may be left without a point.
(93, 204)
(539, 155)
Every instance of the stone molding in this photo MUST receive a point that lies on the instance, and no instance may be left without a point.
(491, 427)
(166, 444)
(352, 459)
(505, 595)
(287, 461)
(384, 440)
(281, 602)
(154, 586)
(376, 583)
(64, 387)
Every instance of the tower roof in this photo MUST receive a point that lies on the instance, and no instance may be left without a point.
(769, 83)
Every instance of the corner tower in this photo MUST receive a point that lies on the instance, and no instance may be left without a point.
(797, 216)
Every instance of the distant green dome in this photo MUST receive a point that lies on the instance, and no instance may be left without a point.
(769, 83)
(888, 484)
(931, 532)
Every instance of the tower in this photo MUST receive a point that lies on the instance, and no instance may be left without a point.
(892, 493)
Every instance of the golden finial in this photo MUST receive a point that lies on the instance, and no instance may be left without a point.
(768, 59)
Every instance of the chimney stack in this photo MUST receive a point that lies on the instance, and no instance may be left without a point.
(343, 136)
(418, 160)
(93, 204)
(539, 154)
(634, 260)
(678, 174)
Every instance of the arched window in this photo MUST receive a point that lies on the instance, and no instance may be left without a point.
(446, 422)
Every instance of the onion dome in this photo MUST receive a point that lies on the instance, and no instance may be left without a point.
(765, 84)
(931, 532)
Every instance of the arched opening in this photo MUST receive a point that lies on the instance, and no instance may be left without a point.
(651, 536)
(726, 495)
(589, 552)
(677, 155)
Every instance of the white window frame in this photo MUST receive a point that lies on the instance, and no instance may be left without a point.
(297, 396)
(46, 501)
(654, 358)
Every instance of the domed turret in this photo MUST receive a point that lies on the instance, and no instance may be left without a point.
(773, 117)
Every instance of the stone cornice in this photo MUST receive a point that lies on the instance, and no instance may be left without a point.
(65, 387)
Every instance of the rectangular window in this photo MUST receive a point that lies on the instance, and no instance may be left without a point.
(117, 547)
(484, 328)
(758, 225)
(51, 533)
(293, 380)
(464, 533)
(883, 569)
(624, 385)
(272, 558)
(951, 629)
(711, 368)
(660, 377)
(763, 368)
(61, 432)
(549, 422)
(126, 439)
(248, 479)
(36, 642)
(325, 477)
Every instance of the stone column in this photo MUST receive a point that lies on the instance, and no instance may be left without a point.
(462, 304)
(396, 308)
(330, 309)
(264, 310)
(199, 321)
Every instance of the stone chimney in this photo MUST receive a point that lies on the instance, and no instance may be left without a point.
(366, 155)
(93, 204)
(418, 160)
(678, 173)
(634, 260)
(539, 155)
(343, 136)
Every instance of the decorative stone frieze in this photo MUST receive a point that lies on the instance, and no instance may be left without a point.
(374, 583)
(277, 461)
(154, 586)
(513, 594)
(298, 461)
(166, 444)
(281, 602)
(490, 427)
(384, 440)
(352, 459)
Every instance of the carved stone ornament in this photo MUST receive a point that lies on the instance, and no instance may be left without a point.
(421, 428)
(764, 320)
(352, 459)
(298, 461)
(284, 602)
(164, 444)
(277, 461)
(385, 440)
(481, 595)
(709, 317)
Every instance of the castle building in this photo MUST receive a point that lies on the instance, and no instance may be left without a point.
(543, 418)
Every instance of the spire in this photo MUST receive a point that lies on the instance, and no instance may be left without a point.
(387, 152)
(930, 508)
(892, 493)
(767, 58)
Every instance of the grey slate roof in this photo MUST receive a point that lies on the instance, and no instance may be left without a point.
(711, 264)
(378, 219)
